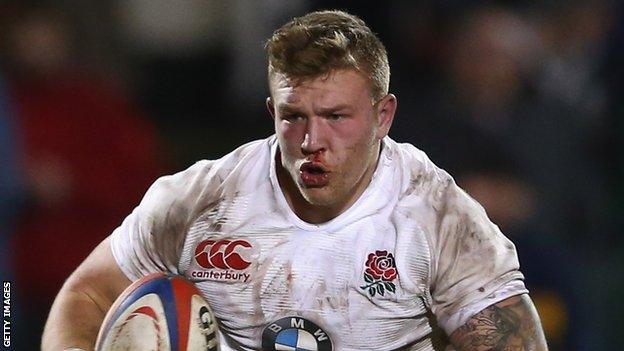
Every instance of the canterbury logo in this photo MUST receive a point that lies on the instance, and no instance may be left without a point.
(224, 254)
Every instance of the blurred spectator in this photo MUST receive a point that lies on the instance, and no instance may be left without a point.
(573, 74)
(492, 88)
(88, 155)
(576, 42)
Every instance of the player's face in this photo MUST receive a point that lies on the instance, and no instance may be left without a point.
(329, 133)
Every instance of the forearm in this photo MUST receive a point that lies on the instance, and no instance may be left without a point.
(74, 321)
(84, 300)
(511, 325)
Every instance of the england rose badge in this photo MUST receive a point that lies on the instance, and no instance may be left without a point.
(380, 273)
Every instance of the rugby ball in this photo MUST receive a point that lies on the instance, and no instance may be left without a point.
(159, 312)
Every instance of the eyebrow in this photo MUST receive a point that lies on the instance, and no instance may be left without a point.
(333, 109)
(286, 108)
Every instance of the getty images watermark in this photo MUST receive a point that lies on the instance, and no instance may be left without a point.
(6, 313)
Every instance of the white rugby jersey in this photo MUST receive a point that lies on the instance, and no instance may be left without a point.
(414, 256)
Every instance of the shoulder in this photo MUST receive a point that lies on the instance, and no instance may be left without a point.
(431, 197)
(187, 192)
(421, 180)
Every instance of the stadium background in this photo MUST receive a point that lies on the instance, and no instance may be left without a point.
(520, 100)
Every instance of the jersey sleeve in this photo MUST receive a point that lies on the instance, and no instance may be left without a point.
(151, 238)
(474, 265)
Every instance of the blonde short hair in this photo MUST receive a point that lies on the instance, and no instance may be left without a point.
(323, 41)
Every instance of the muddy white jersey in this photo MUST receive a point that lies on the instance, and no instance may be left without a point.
(410, 261)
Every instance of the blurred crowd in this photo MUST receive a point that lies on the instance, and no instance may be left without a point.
(519, 100)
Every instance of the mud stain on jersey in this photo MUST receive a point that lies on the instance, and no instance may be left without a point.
(269, 284)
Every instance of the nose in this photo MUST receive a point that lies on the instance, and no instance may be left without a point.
(314, 139)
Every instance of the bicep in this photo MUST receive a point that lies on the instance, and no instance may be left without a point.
(99, 277)
(512, 324)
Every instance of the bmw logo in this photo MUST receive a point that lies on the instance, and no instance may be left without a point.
(296, 334)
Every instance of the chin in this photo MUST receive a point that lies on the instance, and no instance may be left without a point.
(318, 196)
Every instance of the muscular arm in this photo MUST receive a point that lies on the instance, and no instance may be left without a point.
(510, 325)
(82, 303)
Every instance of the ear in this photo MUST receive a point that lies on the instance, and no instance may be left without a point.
(386, 107)
(270, 107)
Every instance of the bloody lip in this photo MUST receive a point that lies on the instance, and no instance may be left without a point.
(314, 174)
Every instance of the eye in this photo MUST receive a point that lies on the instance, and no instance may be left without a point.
(336, 117)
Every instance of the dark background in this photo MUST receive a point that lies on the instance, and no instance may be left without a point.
(521, 101)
